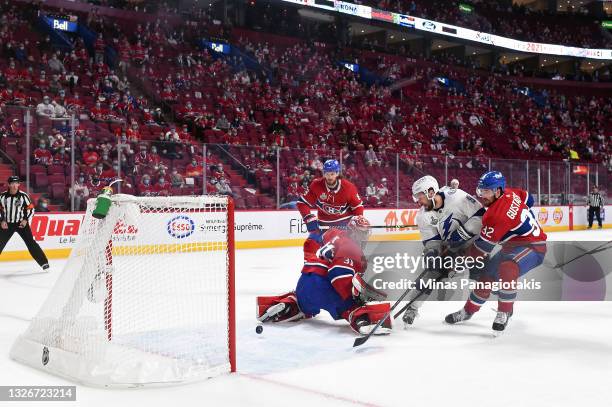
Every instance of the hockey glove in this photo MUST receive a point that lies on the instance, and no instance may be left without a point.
(312, 223)
(326, 252)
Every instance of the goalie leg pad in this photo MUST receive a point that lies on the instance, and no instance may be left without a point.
(365, 317)
(267, 309)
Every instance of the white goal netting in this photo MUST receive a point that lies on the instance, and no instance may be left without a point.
(146, 296)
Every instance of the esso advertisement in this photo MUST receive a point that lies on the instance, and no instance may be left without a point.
(180, 227)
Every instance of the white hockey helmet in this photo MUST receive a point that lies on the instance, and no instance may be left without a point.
(423, 185)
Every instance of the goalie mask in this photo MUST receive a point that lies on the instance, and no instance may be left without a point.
(359, 228)
(424, 186)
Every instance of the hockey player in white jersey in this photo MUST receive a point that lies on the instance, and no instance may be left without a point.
(449, 219)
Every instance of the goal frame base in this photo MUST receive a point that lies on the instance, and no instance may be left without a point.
(71, 366)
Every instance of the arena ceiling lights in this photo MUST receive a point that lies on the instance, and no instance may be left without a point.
(449, 30)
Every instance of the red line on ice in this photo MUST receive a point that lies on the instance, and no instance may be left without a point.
(309, 390)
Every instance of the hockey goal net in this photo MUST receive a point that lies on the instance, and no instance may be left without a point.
(146, 297)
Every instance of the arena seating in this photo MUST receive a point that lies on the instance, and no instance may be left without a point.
(276, 99)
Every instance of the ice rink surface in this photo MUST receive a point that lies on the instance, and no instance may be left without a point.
(553, 353)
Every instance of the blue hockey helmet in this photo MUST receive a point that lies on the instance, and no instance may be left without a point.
(331, 166)
(491, 180)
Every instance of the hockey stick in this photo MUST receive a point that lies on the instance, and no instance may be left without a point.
(363, 339)
(405, 307)
(392, 226)
(598, 249)
(372, 227)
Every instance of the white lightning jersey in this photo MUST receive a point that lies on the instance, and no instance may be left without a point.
(455, 222)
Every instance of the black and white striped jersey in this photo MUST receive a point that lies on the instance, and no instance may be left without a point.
(595, 200)
(15, 208)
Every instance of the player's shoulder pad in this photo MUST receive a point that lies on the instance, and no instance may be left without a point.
(426, 218)
(498, 211)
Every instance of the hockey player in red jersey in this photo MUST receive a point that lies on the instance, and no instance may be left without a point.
(336, 200)
(332, 280)
(508, 222)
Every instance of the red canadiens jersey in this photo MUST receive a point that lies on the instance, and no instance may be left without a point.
(347, 260)
(510, 219)
(334, 206)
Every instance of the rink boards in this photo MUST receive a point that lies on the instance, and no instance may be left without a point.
(57, 232)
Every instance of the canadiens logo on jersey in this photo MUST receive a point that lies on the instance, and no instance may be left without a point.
(334, 210)
(333, 205)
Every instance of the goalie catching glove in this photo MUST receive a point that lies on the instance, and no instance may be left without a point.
(364, 291)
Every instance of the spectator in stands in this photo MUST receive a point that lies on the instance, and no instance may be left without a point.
(307, 177)
(371, 158)
(154, 158)
(21, 54)
(475, 120)
(95, 185)
(277, 127)
(42, 205)
(42, 155)
(162, 188)
(294, 191)
(223, 187)
(142, 160)
(315, 164)
(382, 190)
(222, 123)
(219, 172)
(371, 192)
(91, 156)
(59, 111)
(41, 83)
(55, 64)
(454, 184)
(54, 84)
(45, 108)
(72, 80)
(193, 169)
(176, 179)
(79, 192)
(98, 113)
(167, 147)
(351, 172)
(74, 103)
(145, 188)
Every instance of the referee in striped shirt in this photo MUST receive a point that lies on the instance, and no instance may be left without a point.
(595, 204)
(16, 209)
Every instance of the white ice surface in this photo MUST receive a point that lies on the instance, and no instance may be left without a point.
(553, 354)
